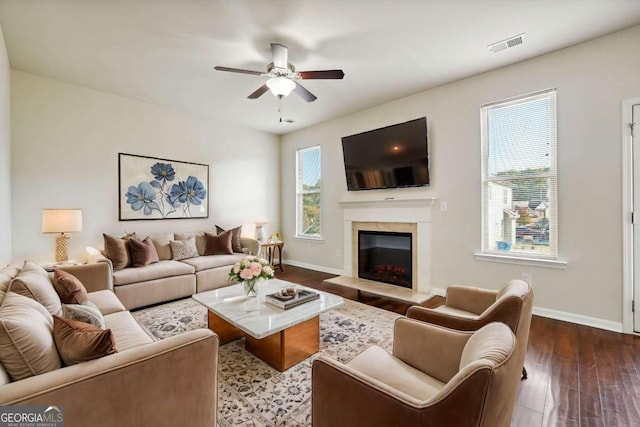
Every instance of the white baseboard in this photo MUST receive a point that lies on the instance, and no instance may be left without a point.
(313, 267)
(579, 319)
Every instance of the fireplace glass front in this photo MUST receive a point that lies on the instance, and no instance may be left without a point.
(385, 257)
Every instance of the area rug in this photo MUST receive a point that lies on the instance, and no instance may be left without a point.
(252, 393)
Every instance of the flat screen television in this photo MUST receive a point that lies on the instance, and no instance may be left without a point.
(391, 157)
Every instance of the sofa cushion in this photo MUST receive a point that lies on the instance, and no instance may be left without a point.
(69, 288)
(213, 261)
(106, 301)
(127, 332)
(27, 347)
(396, 374)
(143, 252)
(117, 250)
(154, 271)
(199, 240)
(87, 313)
(161, 242)
(183, 249)
(79, 342)
(236, 245)
(32, 283)
(218, 245)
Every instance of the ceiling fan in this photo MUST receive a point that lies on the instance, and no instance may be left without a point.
(283, 76)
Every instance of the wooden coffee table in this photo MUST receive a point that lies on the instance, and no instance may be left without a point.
(281, 338)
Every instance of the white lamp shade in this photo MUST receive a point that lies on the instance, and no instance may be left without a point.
(281, 86)
(61, 220)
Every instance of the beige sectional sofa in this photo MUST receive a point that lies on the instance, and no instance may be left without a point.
(168, 279)
(146, 382)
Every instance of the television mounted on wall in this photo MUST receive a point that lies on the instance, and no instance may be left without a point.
(395, 156)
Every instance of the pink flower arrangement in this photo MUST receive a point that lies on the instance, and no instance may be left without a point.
(250, 269)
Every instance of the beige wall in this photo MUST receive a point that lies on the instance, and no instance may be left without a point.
(592, 79)
(5, 156)
(66, 140)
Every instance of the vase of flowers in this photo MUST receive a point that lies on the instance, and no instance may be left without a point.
(249, 271)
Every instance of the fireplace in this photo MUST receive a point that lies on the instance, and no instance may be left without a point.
(385, 256)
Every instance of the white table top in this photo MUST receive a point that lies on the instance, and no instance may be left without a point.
(257, 318)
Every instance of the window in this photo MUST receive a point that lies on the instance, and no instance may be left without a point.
(519, 176)
(308, 167)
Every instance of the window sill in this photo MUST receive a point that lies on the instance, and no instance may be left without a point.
(535, 262)
(309, 239)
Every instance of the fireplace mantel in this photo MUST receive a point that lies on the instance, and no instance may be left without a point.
(389, 201)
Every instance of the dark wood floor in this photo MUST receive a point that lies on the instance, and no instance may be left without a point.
(578, 376)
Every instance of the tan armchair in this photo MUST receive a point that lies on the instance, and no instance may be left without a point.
(468, 309)
(435, 377)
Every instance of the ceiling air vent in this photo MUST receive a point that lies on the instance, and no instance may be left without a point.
(505, 44)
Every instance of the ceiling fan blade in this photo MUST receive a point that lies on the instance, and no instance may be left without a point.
(304, 93)
(238, 70)
(280, 55)
(258, 93)
(326, 74)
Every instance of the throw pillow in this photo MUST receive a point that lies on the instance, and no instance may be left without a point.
(32, 284)
(27, 347)
(87, 313)
(183, 249)
(161, 242)
(117, 250)
(143, 252)
(6, 276)
(218, 245)
(236, 244)
(79, 342)
(69, 288)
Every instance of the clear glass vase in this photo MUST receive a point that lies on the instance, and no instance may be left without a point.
(250, 288)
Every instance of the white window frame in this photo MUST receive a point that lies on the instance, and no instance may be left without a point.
(300, 192)
(513, 256)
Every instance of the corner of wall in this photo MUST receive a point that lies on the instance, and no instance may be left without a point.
(5, 155)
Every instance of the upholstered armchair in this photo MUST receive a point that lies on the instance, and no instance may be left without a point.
(435, 377)
(468, 309)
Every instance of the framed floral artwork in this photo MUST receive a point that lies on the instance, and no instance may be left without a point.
(154, 188)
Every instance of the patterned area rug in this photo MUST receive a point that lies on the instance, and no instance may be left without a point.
(252, 393)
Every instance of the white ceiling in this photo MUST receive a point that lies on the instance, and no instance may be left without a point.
(164, 51)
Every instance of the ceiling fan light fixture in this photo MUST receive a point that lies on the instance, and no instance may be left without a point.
(281, 86)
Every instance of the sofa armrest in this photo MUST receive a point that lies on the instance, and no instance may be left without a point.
(155, 384)
(95, 255)
(471, 299)
(432, 349)
(94, 277)
(251, 246)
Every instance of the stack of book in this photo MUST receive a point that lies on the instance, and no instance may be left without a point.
(287, 302)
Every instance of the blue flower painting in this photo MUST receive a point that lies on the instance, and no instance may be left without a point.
(158, 189)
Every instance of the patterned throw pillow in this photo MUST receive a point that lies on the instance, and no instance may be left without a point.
(183, 249)
(236, 245)
(87, 313)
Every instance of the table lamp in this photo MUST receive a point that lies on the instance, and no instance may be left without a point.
(62, 221)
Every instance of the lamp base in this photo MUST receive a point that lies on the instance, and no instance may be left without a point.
(62, 248)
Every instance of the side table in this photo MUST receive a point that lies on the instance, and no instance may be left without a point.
(271, 248)
(50, 266)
